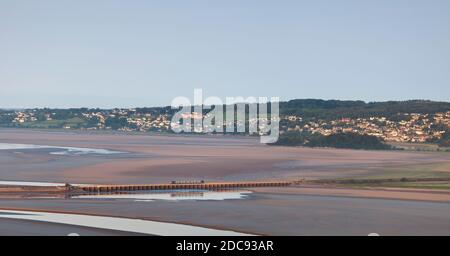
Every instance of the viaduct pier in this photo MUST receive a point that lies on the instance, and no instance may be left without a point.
(174, 186)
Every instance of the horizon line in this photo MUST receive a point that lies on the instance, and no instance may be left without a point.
(165, 106)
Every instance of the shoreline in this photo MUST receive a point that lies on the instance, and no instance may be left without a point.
(407, 194)
(285, 187)
(287, 213)
(204, 228)
(160, 160)
(211, 136)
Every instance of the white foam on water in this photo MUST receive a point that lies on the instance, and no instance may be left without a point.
(85, 151)
(120, 224)
(35, 184)
(172, 196)
(5, 146)
(65, 150)
(31, 184)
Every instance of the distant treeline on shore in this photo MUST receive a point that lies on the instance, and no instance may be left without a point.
(339, 140)
(334, 109)
(306, 108)
(295, 115)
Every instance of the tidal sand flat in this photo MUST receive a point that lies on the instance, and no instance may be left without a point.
(432, 195)
(114, 223)
(162, 158)
(17, 227)
(270, 214)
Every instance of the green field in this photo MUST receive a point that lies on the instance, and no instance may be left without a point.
(74, 123)
(431, 176)
(399, 184)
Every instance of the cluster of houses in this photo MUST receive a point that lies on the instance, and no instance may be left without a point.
(413, 127)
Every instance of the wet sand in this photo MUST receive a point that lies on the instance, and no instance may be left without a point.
(272, 214)
(9, 227)
(274, 211)
(162, 158)
(434, 195)
(132, 225)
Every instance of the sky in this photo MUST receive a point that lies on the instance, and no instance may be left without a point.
(99, 53)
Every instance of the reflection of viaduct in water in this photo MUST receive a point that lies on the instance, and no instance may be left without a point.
(204, 186)
(186, 194)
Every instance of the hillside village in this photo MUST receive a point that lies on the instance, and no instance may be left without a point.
(414, 128)
(411, 127)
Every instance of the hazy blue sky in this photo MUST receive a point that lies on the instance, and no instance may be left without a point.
(143, 53)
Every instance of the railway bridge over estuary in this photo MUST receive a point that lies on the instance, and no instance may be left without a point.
(175, 186)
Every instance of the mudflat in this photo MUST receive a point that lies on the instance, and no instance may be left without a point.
(162, 158)
(10, 227)
(271, 214)
(296, 210)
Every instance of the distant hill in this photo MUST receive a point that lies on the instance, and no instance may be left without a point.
(335, 109)
(307, 108)
(315, 122)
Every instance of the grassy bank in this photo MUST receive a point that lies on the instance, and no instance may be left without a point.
(431, 176)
